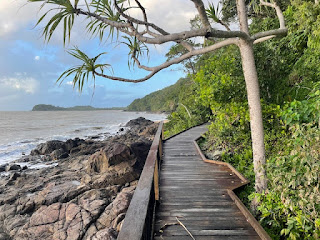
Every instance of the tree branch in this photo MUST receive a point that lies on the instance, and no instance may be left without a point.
(224, 24)
(202, 13)
(137, 21)
(263, 39)
(278, 11)
(282, 31)
(143, 10)
(115, 24)
(275, 32)
(174, 37)
(156, 69)
(147, 24)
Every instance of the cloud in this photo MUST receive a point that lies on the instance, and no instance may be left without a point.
(14, 15)
(172, 16)
(20, 83)
(70, 83)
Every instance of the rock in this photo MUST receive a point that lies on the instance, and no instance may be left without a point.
(2, 168)
(72, 143)
(79, 198)
(59, 154)
(13, 167)
(143, 127)
(111, 216)
(140, 150)
(215, 155)
(108, 156)
(139, 122)
(12, 178)
(25, 167)
(47, 147)
(106, 234)
(118, 206)
(94, 137)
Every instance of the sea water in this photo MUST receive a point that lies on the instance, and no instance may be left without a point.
(20, 132)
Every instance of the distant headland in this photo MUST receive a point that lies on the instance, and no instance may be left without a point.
(46, 107)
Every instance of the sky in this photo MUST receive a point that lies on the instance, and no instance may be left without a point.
(29, 67)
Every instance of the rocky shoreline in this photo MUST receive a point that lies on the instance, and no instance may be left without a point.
(84, 191)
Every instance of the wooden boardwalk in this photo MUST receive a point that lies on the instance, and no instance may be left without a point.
(196, 193)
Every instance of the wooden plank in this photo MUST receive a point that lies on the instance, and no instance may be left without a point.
(196, 192)
(178, 231)
(207, 238)
(207, 225)
(237, 216)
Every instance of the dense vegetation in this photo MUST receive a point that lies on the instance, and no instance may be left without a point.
(288, 71)
(46, 107)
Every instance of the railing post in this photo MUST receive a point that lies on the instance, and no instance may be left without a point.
(156, 181)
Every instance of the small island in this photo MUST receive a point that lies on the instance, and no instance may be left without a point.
(47, 107)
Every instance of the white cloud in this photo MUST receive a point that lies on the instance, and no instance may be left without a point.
(172, 16)
(70, 83)
(14, 15)
(37, 58)
(20, 83)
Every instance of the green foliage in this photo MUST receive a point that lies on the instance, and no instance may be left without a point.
(189, 112)
(82, 72)
(292, 205)
(213, 13)
(66, 14)
(165, 100)
(137, 49)
(220, 78)
(104, 8)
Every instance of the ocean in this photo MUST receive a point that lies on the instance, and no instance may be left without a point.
(20, 132)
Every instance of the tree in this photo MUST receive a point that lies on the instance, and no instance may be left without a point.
(114, 16)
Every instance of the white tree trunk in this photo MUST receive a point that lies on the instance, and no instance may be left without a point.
(253, 94)
(256, 122)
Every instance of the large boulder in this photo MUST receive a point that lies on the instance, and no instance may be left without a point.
(108, 156)
(48, 147)
(139, 122)
(140, 149)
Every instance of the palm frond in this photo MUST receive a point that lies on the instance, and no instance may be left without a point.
(82, 72)
(65, 15)
(213, 13)
(137, 49)
(106, 9)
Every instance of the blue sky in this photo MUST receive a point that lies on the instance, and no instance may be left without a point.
(29, 67)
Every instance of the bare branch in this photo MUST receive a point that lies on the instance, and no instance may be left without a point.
(174, 37)
(278, 11)
(137, 21)
(263, 39)
(115, 24)
(275, 32)
(282, 31)
(202, 13)
(143, 12)
(156, 69)
(147, 24)
(224, 24)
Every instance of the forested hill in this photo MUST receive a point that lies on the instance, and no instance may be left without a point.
(45, 107)
(165, 100)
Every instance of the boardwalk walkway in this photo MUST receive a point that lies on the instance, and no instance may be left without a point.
(196, 193)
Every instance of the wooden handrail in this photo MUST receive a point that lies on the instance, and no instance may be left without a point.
(137, 224)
